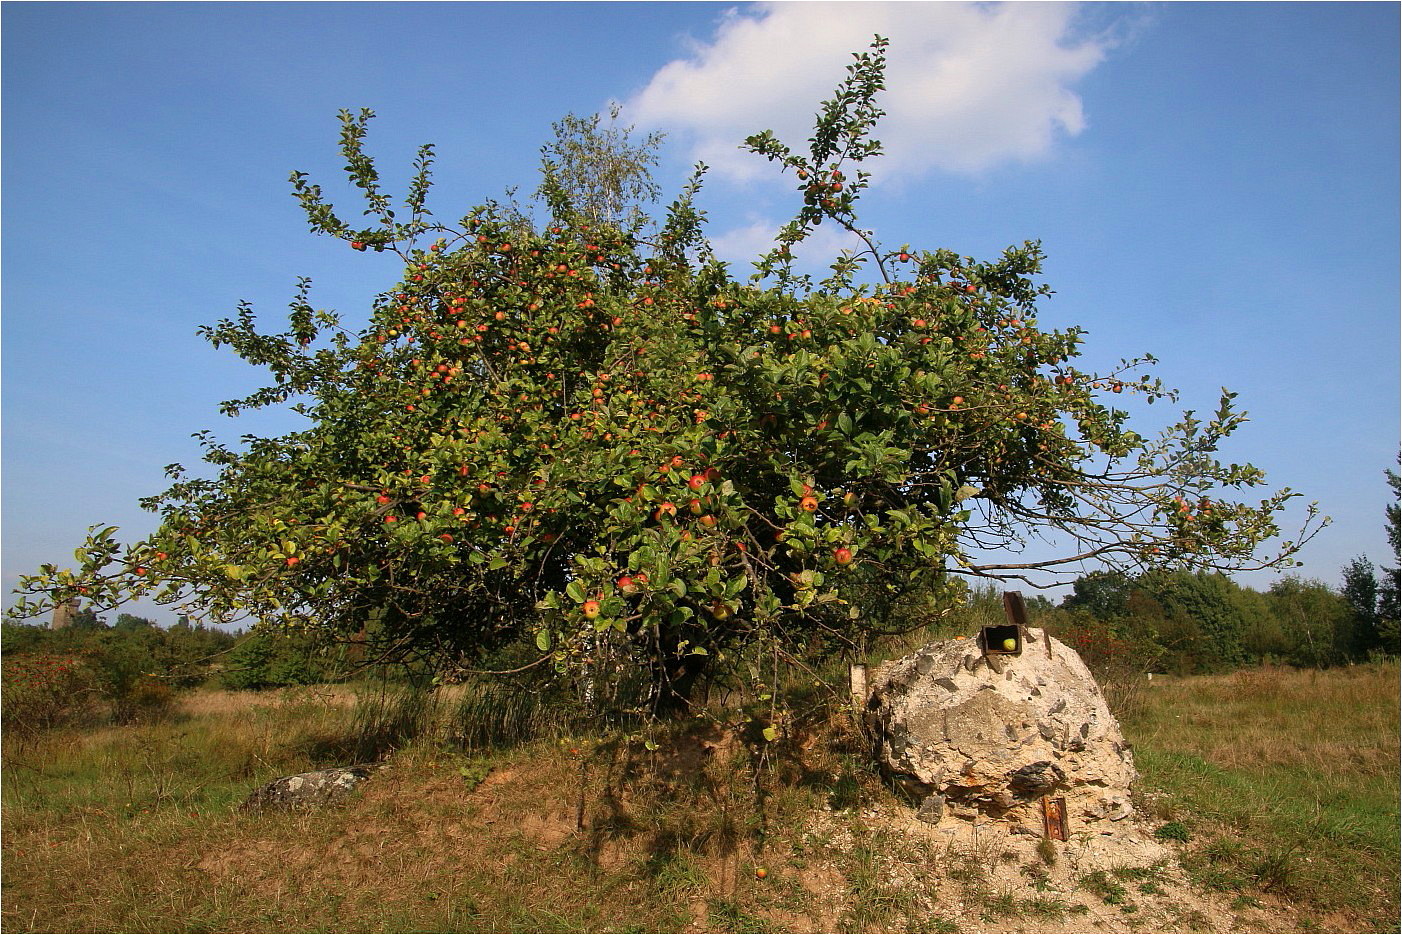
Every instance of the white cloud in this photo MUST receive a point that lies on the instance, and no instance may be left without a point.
(968, 86)
(743, 245)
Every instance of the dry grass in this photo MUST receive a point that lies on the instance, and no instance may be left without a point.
(217, 702)
(137, 828)
(1339, 719)
(1336, 720)
(1288, 781)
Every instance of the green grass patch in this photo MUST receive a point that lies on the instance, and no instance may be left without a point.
(1281, 782)
(473, 825)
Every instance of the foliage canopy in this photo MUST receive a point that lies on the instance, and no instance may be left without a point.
(604, 438)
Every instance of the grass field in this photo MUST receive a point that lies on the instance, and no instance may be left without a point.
(1287, 784)
(1278, 789)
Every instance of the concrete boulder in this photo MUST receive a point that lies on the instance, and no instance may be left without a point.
(969, 734)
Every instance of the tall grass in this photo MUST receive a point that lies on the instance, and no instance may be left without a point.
(388, 716)
(488, 717)
(1283, 783)
(1286, 782)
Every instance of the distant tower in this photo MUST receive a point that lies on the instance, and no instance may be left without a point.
(64, 614)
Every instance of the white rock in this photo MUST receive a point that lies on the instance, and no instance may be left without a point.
(995, 741)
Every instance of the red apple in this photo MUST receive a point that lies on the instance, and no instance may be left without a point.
(842, 555)
(590, 610)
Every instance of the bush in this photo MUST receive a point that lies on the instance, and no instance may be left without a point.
(131, 671)
(43, 690)
(144, 698)
(276, 659)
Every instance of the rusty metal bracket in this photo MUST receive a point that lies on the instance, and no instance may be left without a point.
(1016, 610)
(1054, 823)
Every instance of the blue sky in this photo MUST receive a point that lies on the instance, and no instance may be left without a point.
(1214, 183)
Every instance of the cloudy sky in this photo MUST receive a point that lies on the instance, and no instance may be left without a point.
(1214, 183)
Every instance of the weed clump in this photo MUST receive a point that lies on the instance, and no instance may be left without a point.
(1172, 831)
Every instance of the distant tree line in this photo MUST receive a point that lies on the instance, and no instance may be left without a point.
(132, 668)
(1188, 623)
(1181, 622)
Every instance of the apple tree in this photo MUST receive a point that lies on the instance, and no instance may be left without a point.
(595, 438)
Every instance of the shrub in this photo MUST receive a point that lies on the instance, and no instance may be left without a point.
(43, 690)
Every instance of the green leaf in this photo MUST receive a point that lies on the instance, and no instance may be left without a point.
(543, 640)
(575, 591)
(770, 733)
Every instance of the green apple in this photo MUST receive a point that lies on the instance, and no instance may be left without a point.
(1010, 644)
